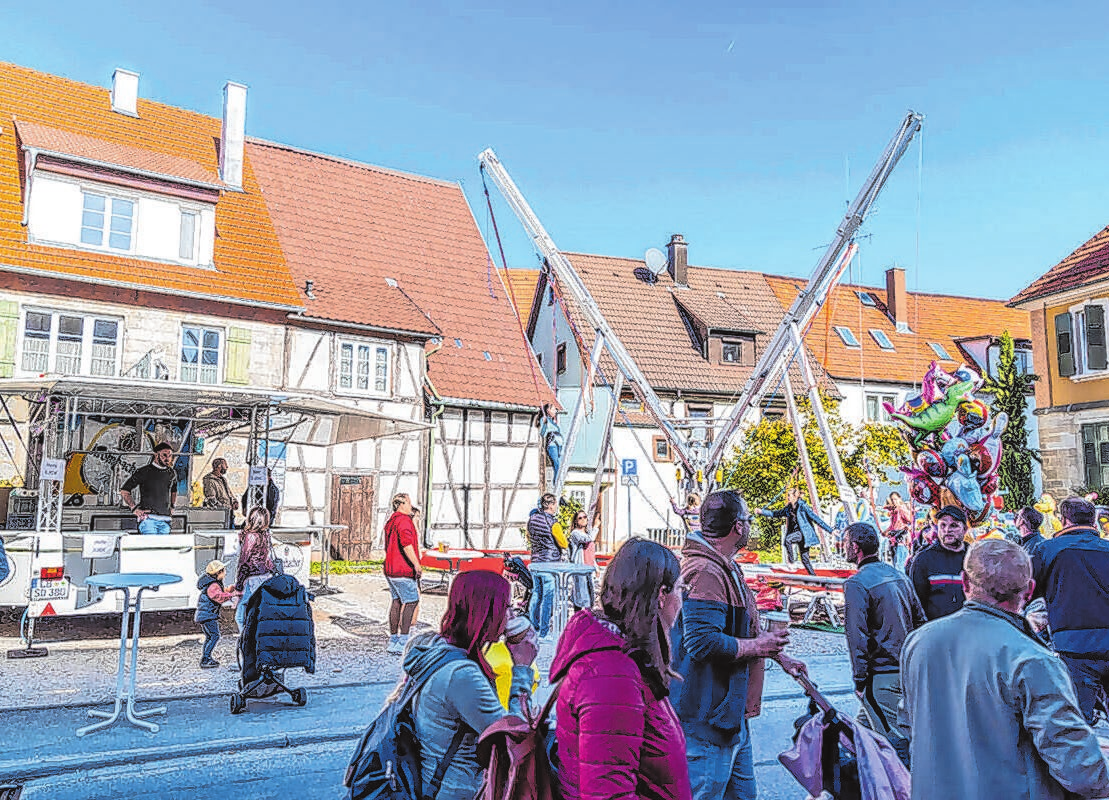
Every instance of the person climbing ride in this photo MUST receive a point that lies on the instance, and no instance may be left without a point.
(800, 522)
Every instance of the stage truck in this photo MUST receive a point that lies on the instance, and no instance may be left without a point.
(81, 438)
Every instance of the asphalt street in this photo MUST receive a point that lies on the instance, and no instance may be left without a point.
(276, 749)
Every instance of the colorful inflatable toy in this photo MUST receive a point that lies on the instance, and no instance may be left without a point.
(955, 442)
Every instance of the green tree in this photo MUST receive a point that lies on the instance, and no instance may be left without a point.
(1010, 390)
(765, 458)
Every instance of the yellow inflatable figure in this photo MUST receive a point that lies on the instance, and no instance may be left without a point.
(1103, 522)
(1051, 524)
(500, 660)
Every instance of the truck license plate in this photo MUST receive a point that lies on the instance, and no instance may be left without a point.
(49, 590)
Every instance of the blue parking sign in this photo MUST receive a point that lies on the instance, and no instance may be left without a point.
(629, 466)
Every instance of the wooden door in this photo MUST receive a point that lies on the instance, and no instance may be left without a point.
(352, 504)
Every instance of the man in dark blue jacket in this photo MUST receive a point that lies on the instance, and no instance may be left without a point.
(719, 652)
(1071, 571)
(544, 550)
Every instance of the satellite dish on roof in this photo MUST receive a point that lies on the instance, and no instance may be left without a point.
(656, 260)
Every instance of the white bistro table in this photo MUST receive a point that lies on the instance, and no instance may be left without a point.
(563, 573)
(125, 686)
(454, 559)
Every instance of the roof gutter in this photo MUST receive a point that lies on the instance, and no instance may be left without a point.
(160, 176)
(141, 287)
(358, 326)
(487, 404)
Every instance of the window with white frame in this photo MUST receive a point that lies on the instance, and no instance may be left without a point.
(70, 343)
(363, 367)
(847, 336)
(875, 407)
(940, 351)
(200, 354)
(107, 222)
(190, 231)
(881, 338)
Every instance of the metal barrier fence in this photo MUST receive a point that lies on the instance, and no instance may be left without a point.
(673, 538)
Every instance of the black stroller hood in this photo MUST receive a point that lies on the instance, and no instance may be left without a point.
(283, 586)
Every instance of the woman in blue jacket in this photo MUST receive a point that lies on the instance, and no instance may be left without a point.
(800, 530)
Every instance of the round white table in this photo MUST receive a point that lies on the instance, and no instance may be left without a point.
(125, 686)
(563, 572)
(454, 559)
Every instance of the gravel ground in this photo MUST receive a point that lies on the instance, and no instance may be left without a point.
(351, 637)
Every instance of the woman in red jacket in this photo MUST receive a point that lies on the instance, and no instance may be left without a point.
(618, 735)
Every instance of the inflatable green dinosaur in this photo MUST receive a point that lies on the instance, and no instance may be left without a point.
(935, 417)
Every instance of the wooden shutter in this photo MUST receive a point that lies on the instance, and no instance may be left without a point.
(1063, 339)
(238, 356)
(1095, 337)
(9, 324)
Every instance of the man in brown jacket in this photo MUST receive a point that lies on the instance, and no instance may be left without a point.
(217, 494)
(719, 651)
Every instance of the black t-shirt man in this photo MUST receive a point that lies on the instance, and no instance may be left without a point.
(156, 485)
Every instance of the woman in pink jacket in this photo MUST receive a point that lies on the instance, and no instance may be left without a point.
(618, 735)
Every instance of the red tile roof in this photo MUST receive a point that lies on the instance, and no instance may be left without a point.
(1088, 263)
(647, 319)
(943, 319)
(350, 228)
(249, 266)
(70, 143)
(522, 283)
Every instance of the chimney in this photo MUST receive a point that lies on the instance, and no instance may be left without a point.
(678, 255)
(233, 135)
(897, 301)
(125, 92)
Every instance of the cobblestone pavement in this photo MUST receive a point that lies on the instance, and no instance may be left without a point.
(351, 637)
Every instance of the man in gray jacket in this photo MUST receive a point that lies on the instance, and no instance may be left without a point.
(992, 712)
(881, 609)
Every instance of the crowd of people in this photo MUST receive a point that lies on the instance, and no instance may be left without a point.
(951, 662)
(658, 679)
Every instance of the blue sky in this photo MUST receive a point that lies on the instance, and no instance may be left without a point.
(746, 127)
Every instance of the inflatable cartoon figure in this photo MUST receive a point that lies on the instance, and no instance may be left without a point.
(1051, 524)
(933, 419)
(931, 389)
(955, 442)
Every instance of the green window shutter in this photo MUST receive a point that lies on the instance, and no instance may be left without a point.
(9, 324)
(1095, 337)
(1063, 337)
(238, 356)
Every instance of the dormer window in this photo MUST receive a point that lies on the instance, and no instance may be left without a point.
(107, 221)
(735, 350)
(90, 213)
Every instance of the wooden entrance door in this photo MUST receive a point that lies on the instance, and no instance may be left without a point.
(352, 504)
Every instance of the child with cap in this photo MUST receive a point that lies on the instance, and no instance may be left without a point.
(212, 596)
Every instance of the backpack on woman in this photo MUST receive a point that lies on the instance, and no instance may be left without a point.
(521, 758)
(386, 763)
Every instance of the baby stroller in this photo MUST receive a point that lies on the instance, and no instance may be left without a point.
(278, 634)
(521, 581)
(836, 758)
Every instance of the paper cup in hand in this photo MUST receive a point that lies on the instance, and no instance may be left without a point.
(775, 621)
(517, 629)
